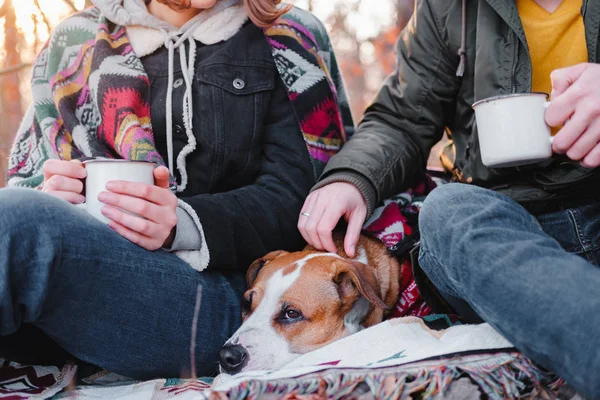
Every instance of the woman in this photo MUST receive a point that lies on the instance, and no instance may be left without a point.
(231, 103)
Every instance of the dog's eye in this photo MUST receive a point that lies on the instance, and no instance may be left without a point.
(289, 315)
(292, 314)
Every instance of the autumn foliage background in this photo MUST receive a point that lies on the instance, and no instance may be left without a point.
(364, 61)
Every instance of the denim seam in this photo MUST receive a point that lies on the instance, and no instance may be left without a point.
(580, 236)
(427, 255)
(588, 247)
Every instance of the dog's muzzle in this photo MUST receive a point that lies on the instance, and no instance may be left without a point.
(233, 358)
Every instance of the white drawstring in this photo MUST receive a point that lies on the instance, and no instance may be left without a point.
(174, 41)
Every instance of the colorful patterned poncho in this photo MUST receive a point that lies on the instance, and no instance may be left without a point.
(79, 111)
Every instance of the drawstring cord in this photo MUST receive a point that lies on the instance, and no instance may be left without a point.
(462, 52)
(173, 42)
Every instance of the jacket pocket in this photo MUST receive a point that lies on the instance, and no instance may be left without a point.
(564, 176)
(236, 99)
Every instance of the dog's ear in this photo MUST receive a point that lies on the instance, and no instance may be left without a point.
(353, 277)
(258, 264)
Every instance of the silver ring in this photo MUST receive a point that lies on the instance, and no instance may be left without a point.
(306, 214)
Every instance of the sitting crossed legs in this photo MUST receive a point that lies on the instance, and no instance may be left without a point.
(536, 280)
(117, 305)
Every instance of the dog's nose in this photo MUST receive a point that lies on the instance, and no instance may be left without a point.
(233, 358)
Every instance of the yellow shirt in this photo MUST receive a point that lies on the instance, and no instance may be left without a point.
(556, 40)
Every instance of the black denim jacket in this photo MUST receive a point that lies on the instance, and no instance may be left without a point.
(250, 171)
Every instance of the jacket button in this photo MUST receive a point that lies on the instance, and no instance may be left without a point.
(178, 130)
(239, 84)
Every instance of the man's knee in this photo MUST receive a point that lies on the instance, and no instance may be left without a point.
(439, 203)
(446, 218)
(453, 201)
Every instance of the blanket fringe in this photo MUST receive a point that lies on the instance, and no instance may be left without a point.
(497, 376)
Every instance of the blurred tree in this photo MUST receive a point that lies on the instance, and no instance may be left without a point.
(10, 95)
(365, 62)
(385, 42)
(348, 52)
(15, 57)
(71, 4)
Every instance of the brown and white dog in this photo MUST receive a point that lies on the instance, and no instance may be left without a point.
(299, 302)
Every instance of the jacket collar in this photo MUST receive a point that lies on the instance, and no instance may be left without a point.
(148, 33)
(507, 10)
(216, 25)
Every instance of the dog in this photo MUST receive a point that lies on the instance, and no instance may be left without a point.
(299, 302)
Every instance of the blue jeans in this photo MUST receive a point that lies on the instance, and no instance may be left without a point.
(535, 280)
(103, 299)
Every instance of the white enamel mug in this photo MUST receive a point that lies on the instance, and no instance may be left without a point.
(512, 129)
(101, 171)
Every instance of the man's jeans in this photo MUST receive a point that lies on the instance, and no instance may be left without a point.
(535, 280)
(105, 300)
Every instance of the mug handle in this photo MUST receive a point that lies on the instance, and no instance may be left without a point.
(546, 105)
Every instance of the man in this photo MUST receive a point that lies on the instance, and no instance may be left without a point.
(517, 247)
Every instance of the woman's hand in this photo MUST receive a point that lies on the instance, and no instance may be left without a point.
(324, 208)
(576, 107)
(62, 179)
(154, 225)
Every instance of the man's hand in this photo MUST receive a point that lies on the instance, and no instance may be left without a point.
(62, 179)
(325, 208)
(576, 106)
(154, 225)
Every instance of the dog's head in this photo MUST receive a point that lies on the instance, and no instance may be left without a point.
(297, 303)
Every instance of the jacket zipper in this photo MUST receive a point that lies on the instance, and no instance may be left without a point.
(584, 8)
(516, 61)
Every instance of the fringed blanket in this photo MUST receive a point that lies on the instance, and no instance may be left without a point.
(398, 359)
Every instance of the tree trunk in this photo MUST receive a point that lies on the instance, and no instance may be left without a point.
(10, 95)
